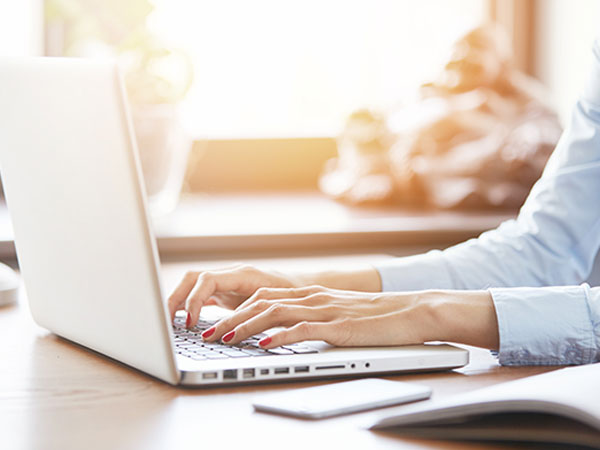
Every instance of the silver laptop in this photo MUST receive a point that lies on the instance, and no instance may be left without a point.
(72, 180)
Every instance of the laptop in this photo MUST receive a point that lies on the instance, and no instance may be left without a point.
(89, 261)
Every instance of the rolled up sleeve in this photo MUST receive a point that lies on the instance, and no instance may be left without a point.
(548, 326)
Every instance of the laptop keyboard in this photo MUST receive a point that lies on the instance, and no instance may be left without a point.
(189, 343)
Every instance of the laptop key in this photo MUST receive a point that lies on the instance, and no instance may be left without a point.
(256, 352)
(185, 344)
(214, 355)
(280, 351)
(234, 354)
(304, 351)
(257, 337)
(202, 350)
(301, 349)
(215, 346)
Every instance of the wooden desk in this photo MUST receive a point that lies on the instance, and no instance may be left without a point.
(55, 395)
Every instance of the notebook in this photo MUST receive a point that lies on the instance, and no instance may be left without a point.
(562, 407)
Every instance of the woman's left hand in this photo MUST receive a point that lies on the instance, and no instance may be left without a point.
(349, 318)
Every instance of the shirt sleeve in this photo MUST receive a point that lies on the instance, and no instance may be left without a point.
(547, 326)
(553, 242)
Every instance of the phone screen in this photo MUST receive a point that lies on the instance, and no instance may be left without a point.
(341, 398)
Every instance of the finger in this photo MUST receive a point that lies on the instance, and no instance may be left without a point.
(209, 283)
(177, 298)
(265, 293)
(275, 308)
(278, 314)
(224, 326)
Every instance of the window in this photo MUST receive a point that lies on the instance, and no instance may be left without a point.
(275, 68)
(21, 28)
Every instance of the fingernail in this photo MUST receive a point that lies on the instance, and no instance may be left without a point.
(265, 341)
(209, 332)
(188, 320)
(228, 336)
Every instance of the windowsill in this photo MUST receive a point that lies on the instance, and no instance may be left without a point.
(225, 223)
(203, 135)
(307, 220)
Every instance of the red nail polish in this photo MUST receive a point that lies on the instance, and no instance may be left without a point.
(228, 336)
(188, 320)
(266, 341)
(209, 332)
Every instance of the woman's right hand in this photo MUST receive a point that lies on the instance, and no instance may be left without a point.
(227, 288)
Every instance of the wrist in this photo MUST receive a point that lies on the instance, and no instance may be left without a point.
(365, 279)
(467, 317)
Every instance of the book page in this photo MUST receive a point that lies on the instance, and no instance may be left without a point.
(572, 393)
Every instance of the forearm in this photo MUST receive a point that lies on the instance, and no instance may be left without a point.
(466, 317)
(362, 279)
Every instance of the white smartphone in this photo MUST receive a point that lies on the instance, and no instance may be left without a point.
(341, 398)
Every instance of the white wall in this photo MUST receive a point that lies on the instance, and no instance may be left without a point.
(565, 30)
(21, 27)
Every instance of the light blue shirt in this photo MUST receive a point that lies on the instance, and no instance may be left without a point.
(535, 267)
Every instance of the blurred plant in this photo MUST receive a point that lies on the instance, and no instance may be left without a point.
(153, 72)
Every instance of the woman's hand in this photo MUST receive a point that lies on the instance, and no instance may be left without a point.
(347, 318)
(226, 288)
(342, 314)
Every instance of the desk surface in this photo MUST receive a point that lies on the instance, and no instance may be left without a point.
(55, 395)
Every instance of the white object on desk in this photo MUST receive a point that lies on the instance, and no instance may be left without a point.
(9, 285)
(562, 406)
(341, 398)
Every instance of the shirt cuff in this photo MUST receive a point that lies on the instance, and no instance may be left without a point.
(415, 273)
(544, 326)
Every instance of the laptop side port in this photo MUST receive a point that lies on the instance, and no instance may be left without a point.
(248, 373)
(264, 371)
(281, 370)
(301, 369)
(339, 366)
(230, 374)
(209, 376)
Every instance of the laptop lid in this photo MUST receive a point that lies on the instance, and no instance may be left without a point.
(73, 187)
